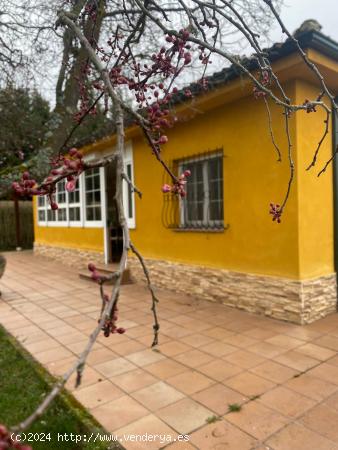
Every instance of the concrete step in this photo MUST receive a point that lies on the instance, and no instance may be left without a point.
(106, 269)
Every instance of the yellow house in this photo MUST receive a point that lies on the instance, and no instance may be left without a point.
(220, 242)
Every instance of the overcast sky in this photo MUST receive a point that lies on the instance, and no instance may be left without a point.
(296, 11)
(293, 13)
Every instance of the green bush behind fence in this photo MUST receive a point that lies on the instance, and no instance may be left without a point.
(8, 228)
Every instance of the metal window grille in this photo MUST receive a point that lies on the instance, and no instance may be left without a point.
(202, 208)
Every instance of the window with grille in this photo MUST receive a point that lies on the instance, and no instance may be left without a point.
(203, 205)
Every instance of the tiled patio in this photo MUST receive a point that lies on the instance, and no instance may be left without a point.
(210, 356)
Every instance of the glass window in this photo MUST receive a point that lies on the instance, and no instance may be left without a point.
(203, 205)
(93, 195)
(74, 205)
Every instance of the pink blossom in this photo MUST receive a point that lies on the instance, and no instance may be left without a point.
(70, 186)
(166, 188)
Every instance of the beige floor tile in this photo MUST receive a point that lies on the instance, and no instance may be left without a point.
(166, 368)
(218, 397)
(190, 382)
(197, 340)
(217, 333)
(266, 350)
(302, 333)
(287, 402)
(133, 380)
(219, 370)
(274, 372)
(40, 346)
(157, 395)
(240, 340)
(218, 349)
(194, 358)
(257, 420)
(311, 386)
(97, 394)
(332, 401)
(119, 413)
(296, 360)
(173, 348)
(315, 351)
(326, 372)
(54, 354)
(260, 333)
(285, 341)
(145, 357)
(244, 359)
(185, 415)
(323, 420)
(333, 361)
(297, 437)
(222, 435)
(181, 445)
(114, 367)
(89, 377)
(126, 348)
(249, 384)
(161, 434)
(100, 355)
(330, 342)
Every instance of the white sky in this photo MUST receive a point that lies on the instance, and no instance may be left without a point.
(296, 11)
(293, 13)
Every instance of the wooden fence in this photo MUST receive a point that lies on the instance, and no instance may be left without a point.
(8, 230)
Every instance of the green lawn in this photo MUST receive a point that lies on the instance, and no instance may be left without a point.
(23, 383)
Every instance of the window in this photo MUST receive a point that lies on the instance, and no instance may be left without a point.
(82, 207)
(93, 195)
(41, 203)
(203, 205)
(74, 204)
(61, 200)
(128, 194)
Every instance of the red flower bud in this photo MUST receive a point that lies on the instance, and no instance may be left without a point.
(91, 267)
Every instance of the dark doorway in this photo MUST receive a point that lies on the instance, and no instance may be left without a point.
(115, 236)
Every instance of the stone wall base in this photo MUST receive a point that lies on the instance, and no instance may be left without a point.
(294, 301)
(69, 256)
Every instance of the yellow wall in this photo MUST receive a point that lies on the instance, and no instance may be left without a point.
(252, 179)
(300, 247)
(315, 194)
(74, 237)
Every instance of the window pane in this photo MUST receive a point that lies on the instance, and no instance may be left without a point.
(62, 214)
(93, 194)
(74, 197)
(215, 182)
(194, 200)
(203, 204)
(61, 192)
(42, 215)
(51, 215)
(41, 200)
(74, 214)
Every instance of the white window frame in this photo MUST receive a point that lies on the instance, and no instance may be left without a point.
(128, 161)
(82, 223)
(93, 223)
(41, 208)
(75, 223)
(205, 223)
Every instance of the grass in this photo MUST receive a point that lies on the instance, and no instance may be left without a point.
(213, 419)
(23, 383)
(234, 407)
